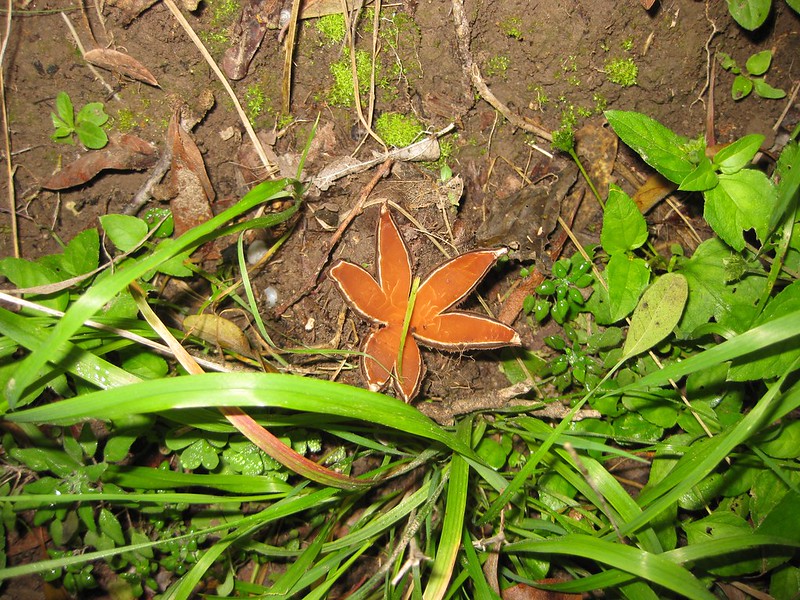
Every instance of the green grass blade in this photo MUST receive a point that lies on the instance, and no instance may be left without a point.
(103, 291)
(655, 568)
(274, 390)
(453, 524)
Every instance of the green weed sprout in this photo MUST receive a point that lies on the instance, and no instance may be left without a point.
(753, 77)
(331, 28)
(622, 71)
(87, 124)
(512, 27)
(397, 129)
(498, 65)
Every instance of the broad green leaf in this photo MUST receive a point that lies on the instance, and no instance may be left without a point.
(92, 113)
(627, 279)
(24, 274)
(710, 292)
(795, 4)
(82, 254)
(91, 135)
(759, 62)
(742, 201)
(658, 313)
(780, 356)
(701, 179)
(741, 88)
(658, 146)
(658, 411)
(176, 266)
(722, 524)
(125, 231)
(65, 110)
(750, 14)
(787, 172)
(765, 90)
(737, 155)
(786, 444)
(624, 227)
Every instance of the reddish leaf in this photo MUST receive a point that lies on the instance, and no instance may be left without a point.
(186, 154)
(122, 63)
(124, 153)
(384, 301)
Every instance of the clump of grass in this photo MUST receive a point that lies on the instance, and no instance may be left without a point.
(622, 71)
(397, 129)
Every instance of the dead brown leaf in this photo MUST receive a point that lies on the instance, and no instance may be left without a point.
(186, 154)
(218, 330)
(597, 147)
(125, 153)
(653, 191)
(122, 63)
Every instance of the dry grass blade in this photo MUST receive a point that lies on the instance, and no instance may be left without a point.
(12, 202)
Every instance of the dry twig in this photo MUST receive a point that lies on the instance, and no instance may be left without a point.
(12, 201)
(463, 35)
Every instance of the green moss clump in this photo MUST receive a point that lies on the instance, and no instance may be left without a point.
(622, 71)
(341, 94)
(331, 28)
(497, 65)
(397, 129)
(254, 101)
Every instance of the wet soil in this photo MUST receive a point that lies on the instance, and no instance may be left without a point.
(541, 60)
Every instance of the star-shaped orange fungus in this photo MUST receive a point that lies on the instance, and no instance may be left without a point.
(385, 301)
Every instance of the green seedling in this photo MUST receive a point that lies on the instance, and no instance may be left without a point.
(87, 124)
(498, 66)
(751, 14)
(512, 27)
(753, 78)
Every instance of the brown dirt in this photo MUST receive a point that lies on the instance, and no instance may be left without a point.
(557, 61)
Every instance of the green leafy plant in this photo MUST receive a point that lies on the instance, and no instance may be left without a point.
(752, 78)
(751, 14)
(87, 125)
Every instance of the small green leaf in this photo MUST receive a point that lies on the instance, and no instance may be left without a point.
(741, 88)
(110, 526)
(728, 63)
(65, 109)
(750, 14)
(658, 313)
(742, 201)
(758, 64)
(92, 113)
(624, 227)
(786, 444)
(92, 136)
(627, 279)
(701, 179)
(787, 171)
(492, 452)
(765, 90)
(737, 155)
(82, 254)
(125, 231)
(658, 146)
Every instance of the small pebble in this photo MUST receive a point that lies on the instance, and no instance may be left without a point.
(256, 251)
(270, 296)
